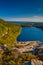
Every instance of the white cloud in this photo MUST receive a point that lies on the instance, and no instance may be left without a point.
(35, 16)
(30, 19)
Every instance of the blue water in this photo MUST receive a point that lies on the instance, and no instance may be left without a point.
(30, 34)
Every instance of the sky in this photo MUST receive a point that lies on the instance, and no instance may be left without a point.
(22, 10)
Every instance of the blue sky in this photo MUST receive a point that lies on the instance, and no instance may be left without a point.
(21, 10)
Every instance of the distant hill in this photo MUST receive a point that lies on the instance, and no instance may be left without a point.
(8, 32)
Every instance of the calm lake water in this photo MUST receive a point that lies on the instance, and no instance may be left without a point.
(30, 34)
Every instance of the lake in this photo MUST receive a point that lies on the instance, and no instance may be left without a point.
(30, 34)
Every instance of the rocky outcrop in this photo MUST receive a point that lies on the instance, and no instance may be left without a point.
(29, 46)
(33, 62)
(36, 62)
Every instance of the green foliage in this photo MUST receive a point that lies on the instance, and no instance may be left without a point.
(40, 56)
(8, 32)
(8, 35)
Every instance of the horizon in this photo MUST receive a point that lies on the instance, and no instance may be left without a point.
(32, 19)
(18, 20)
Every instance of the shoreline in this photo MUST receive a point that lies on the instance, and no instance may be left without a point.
(19, 33)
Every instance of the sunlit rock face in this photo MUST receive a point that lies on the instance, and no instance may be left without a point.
(33, 62)
(29, 46)
(36, 62)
